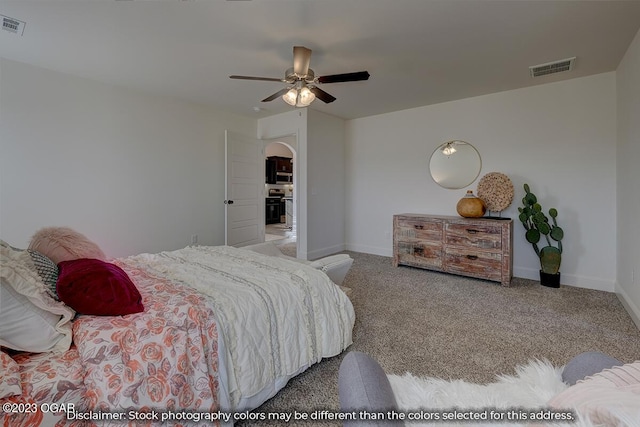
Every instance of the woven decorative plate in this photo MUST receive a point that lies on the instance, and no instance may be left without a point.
(496, 190)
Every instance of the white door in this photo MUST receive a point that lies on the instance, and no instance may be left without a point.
(244, 192)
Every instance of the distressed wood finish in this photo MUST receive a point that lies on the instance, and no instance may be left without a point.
(476, 247)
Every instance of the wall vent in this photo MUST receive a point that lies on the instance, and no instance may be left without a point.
(552, 67)
(12, 25)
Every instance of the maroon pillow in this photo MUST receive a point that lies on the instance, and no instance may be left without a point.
(92, 286)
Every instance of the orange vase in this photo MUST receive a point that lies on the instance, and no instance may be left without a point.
(471, 206)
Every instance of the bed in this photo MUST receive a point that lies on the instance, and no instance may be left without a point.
(208, 334)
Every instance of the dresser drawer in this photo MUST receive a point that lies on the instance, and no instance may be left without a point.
(487, 265)
(419, 254)
(407, 228)
(474, 236)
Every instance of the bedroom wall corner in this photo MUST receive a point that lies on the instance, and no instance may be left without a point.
(134, 172)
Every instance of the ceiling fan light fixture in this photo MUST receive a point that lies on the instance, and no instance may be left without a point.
(299, 97)
(305, 98)
(291, 96)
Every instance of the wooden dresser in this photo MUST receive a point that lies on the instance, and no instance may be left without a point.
(475, 247)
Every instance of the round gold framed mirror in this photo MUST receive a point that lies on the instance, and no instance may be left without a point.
(455, 164)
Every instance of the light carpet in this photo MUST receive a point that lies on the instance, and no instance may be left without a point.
(439, 325)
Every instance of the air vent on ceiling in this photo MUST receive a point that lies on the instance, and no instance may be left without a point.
(12, 25)
(552, 67)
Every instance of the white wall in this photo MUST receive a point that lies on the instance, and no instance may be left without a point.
(134, 172)
(628, 173)
(559, 137)
(326, 192)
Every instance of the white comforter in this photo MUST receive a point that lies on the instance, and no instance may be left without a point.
(276, 317)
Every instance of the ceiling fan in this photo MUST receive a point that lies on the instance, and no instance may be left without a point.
(302, 82)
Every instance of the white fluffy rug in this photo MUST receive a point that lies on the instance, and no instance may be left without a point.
(512, 400)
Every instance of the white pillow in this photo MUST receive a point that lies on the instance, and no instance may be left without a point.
(24, 326)
(30, 319)
(607, 398)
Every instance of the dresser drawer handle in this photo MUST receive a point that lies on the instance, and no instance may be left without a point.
(472, 256)
(419, 226)
(472, 231)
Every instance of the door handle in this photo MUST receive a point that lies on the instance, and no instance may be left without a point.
(228, 202)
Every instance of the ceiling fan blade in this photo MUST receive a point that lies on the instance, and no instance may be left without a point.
(346, 77)
(301, 59)
(322, 95)
(276, 95)
(266, 79)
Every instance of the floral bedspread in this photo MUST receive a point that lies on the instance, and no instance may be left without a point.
(45, 377)
(165, 357)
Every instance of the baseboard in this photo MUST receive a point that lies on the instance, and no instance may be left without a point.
(320, 253)
(373, 250)
(629, 305)
(569, 280)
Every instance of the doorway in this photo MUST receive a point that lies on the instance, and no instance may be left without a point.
(280, 204)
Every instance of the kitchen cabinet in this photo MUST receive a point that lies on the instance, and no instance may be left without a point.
(270, 171)
(475, 247)
(283, 164)
(279, 170)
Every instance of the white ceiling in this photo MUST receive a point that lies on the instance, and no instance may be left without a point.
(418, 52)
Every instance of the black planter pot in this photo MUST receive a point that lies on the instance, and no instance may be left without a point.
(550, 280)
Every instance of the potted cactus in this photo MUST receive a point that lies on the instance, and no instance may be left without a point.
(538, 227)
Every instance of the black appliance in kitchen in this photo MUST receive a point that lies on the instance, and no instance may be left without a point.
(274, 206)
(278, 170)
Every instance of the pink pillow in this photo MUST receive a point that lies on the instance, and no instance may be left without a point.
(64, 244)
(92, 286)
